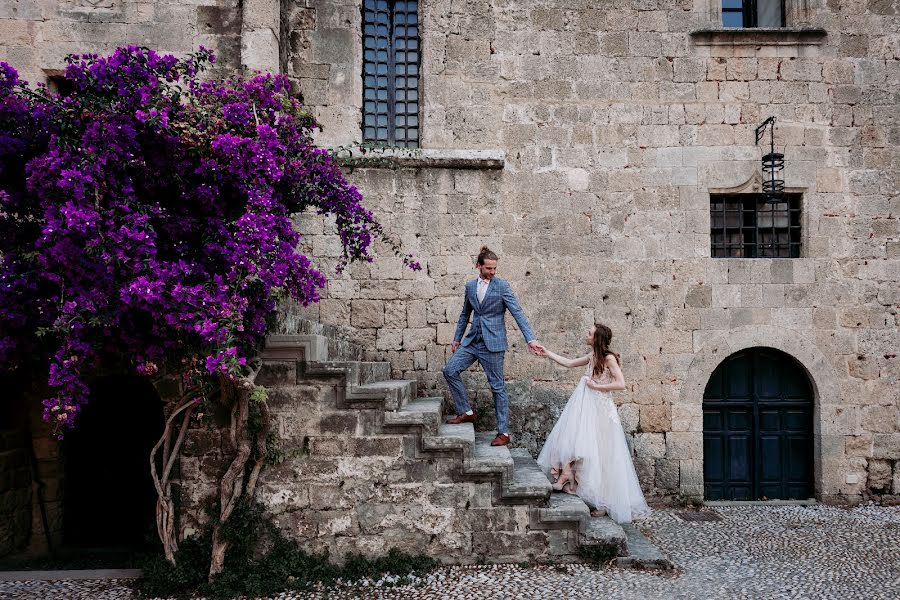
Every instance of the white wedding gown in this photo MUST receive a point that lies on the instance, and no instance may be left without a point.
(589, 432)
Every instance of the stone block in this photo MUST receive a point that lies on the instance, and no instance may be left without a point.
(395, 315)
(418, 339)
(650, 445)
(389, 339)
(886, 446)
(668, 474)
(684, 445)
(334, 312)
(881, 419)
(879, 476)
(514, 546)
(655, 418)
(629, 416)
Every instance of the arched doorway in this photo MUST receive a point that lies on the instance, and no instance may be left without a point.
(109, 498)
(758, 428)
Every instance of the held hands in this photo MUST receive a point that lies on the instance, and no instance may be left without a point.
(537, 347)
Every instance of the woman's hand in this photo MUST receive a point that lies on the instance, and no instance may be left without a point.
(593, 384)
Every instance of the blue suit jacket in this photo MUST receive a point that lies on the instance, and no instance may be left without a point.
(489, 315)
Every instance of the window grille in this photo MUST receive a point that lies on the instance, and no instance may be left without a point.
(755, 226)
(753, 13)
(391, 53)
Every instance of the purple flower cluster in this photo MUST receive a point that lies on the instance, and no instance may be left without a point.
(145, 217)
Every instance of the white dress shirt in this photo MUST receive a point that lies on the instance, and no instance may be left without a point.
(482, 289)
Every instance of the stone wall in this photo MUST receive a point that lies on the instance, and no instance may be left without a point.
(348, 485)
(36, 35)
(15, 492)
(617, 121)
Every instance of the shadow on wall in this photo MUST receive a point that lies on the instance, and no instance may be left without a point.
(109, 499)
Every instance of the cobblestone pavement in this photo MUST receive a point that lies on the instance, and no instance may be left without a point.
(815, 552)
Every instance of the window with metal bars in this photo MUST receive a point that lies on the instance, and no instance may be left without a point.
(753, 13)
(391, 53)
(755, 226)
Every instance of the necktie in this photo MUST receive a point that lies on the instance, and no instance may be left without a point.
(482, 288)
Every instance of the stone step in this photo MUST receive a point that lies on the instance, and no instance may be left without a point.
(289, 322)
(395, 393)
(603, 536)
(564, 508)
(451, 437)
(357, 372)
(642, 553)
(529, 481)
(306, 347)
(421, 412)
(486, 459)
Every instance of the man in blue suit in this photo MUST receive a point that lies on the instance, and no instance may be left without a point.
(488, 297)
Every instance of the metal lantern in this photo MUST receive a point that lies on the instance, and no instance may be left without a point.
(772, 163)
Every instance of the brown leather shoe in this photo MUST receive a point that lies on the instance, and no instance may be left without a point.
(463, 418)
(501, 440)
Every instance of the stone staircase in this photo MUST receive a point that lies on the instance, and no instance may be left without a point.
(404, 478)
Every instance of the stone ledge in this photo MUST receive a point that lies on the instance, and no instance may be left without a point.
(434, 158)
(759, 36)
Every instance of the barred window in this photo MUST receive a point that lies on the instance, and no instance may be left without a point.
(755, 226)
(753, 13)
(391, 53)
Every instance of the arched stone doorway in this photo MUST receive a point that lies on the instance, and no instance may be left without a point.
(109, 498)
(828, 430)
(758, 428)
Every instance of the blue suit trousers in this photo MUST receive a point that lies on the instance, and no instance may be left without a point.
(492, 363)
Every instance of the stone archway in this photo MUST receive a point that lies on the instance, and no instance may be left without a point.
(797, 344)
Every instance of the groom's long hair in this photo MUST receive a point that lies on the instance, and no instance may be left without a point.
(602, 339)
(485, 254)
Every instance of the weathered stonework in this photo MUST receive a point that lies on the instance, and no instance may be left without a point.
(368, 467)
(36, 35)
(617, 122)
(611, 123)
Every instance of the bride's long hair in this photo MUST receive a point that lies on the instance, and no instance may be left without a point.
(602, 339)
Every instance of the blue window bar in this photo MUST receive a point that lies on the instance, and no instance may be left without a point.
(391, 52)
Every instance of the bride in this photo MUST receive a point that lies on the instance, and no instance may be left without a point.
(586, 453)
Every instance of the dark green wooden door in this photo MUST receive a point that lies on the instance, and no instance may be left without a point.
(757, 428)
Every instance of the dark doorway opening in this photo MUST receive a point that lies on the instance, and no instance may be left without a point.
(109, 499)
(758, 428)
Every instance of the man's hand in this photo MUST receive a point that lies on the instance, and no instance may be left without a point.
(454, 346)
(536, 347)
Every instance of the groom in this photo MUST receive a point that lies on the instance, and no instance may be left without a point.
(488, 297)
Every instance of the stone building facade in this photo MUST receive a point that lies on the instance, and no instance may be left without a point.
(614, 123)
(583, 141)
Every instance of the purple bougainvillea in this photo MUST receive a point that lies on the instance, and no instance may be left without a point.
(145, 217)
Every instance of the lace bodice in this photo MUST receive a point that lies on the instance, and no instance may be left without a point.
(589, 372)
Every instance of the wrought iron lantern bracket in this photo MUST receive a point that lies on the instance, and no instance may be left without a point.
(772, 163)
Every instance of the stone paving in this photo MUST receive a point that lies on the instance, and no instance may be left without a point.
(818, 552)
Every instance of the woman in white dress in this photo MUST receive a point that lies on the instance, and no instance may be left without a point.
(586, 453)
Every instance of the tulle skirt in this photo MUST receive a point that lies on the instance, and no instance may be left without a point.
(590, 434)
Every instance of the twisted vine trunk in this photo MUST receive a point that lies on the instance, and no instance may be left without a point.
(165, 506)
(238, 483)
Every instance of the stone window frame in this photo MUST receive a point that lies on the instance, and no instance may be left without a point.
(752, 13)
(753, 186)
(726, 226)
(392, 127)
(802, 27)
(366, 156)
